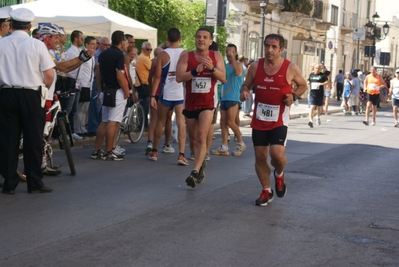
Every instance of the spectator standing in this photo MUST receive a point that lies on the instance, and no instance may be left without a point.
(143, 67)
(339, 84)
(354, 96)
(71, 103)
(21, 102)
(84, 83)
(229, 103)
(394, 93)
(348, 87)
(113, 82)
(94, 117)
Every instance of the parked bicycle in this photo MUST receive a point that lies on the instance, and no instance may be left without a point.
(132, 123)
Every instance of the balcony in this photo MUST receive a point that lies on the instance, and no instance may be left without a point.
(9, 2)
(301, 6)
(254, 5)
(318, 9)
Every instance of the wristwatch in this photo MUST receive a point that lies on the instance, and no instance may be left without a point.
(213, 69)
(294, 96)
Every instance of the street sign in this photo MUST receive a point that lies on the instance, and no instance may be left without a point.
(359, 34)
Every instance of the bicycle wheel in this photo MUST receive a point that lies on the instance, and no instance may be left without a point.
(118, 134)
(136, 123)
(67, 147)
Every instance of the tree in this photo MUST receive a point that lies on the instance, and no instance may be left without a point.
(186, 15)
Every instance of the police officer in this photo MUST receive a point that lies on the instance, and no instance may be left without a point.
(21, 102)
(4, 21)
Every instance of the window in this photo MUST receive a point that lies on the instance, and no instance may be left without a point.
(253, 45)
(334, 14)
(368, 9)
(284, 54)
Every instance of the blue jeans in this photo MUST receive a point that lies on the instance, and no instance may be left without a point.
(247, 104)
(94, 111)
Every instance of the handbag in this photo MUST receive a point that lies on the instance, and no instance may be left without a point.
(109, 99)
(85, 91)
(143, 89)
(84, 94)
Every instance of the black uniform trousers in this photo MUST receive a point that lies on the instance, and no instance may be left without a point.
(21, 112)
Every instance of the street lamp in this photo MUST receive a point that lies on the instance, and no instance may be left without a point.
(262, 27)
(374, 33)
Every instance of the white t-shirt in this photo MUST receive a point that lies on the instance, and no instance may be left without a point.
(395, 88)
(72, 53)
(86, 74)
(172, 90)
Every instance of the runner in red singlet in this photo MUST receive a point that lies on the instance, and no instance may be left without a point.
(271, 78)
(200, 69)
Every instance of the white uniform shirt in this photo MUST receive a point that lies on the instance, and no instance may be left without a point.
(21, 55)
(72, 53)
(86, 74)
(51, 90)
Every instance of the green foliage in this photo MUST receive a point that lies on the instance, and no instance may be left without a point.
(186, 15)
(302, 6)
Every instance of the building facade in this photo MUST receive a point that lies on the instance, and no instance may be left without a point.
(316, 31)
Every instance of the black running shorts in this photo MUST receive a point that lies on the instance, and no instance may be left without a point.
(276, 136)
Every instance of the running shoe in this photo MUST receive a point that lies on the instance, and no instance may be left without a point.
(396, 125)
(168, 149)
(191, 156)
(310, 124)
(239, 149)
(366, 123)
(207, 157)
(318, 121)
(148, 149)
(265, 198)
(112, 156)
(76, 136)
(373, 123)
(201, 173)
(153, 155)
(181, 160)
(221, 151)
(281, 188)
(118, 151)
(191, 180)
(97, 154)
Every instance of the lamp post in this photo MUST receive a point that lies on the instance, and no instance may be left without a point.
(262, 27)
(373, 34)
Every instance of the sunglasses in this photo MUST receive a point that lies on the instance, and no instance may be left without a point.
(148, 49)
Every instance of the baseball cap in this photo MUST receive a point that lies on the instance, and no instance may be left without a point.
(22, 16)
(397, 71)
(359, 73)
(5, 13)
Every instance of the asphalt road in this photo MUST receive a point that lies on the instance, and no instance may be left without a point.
(341, 208)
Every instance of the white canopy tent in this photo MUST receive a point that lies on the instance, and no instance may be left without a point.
(88, 17)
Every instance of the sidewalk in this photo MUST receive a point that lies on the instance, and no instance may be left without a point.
(296, 112)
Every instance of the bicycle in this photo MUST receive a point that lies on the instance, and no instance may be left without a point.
(132, 123)
(60, 122)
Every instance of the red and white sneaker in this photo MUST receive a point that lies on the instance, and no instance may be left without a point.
(281, 188)
(265, 198)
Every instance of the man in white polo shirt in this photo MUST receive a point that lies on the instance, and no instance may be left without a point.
(21, 102)
(73, 100)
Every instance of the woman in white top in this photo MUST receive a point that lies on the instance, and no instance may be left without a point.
(394, 93)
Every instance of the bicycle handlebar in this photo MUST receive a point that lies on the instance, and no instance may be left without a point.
(66, 93)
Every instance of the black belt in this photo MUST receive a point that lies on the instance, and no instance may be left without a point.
(18, 87)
